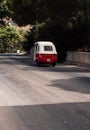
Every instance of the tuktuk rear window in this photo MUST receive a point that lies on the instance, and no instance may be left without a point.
(48, 48)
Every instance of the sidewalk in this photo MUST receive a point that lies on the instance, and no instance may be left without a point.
(11, 54)
(77, 64)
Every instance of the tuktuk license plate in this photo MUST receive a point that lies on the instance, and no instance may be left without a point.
(48, 60)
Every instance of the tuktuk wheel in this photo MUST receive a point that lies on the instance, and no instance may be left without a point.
(38, 63)
(54, 64)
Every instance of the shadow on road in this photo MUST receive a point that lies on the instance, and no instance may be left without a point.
(65, 116)
(78, 84)
(65, 84)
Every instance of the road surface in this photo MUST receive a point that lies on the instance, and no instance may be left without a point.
(43, 98)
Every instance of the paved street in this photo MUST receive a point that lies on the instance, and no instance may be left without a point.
(43, 98)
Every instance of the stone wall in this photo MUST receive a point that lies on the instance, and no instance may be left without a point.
(79, 57)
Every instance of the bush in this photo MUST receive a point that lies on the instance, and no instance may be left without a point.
(9, 39)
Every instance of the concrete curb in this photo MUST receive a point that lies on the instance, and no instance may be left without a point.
(78, 64)
(11, 54)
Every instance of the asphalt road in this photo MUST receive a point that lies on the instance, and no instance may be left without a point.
(43, 98)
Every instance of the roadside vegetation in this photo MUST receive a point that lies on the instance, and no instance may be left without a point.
(66, 23)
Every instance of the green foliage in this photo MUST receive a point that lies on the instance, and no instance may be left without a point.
(31, 11)
(24, 11)
(4, 9)
(9, 39)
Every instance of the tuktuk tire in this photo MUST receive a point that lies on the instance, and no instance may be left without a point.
(38, 63)
(54, 64)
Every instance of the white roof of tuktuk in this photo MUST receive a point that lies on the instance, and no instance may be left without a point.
(44, 42)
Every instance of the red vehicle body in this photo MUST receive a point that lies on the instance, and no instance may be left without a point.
(45, 52)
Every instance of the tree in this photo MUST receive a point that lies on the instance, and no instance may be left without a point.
(65, 22)
(25, 12)
(4, 9)
(9, 38)
(29, 11)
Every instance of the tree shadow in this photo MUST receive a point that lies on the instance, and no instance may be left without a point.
(64, 116)
(78, 84)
